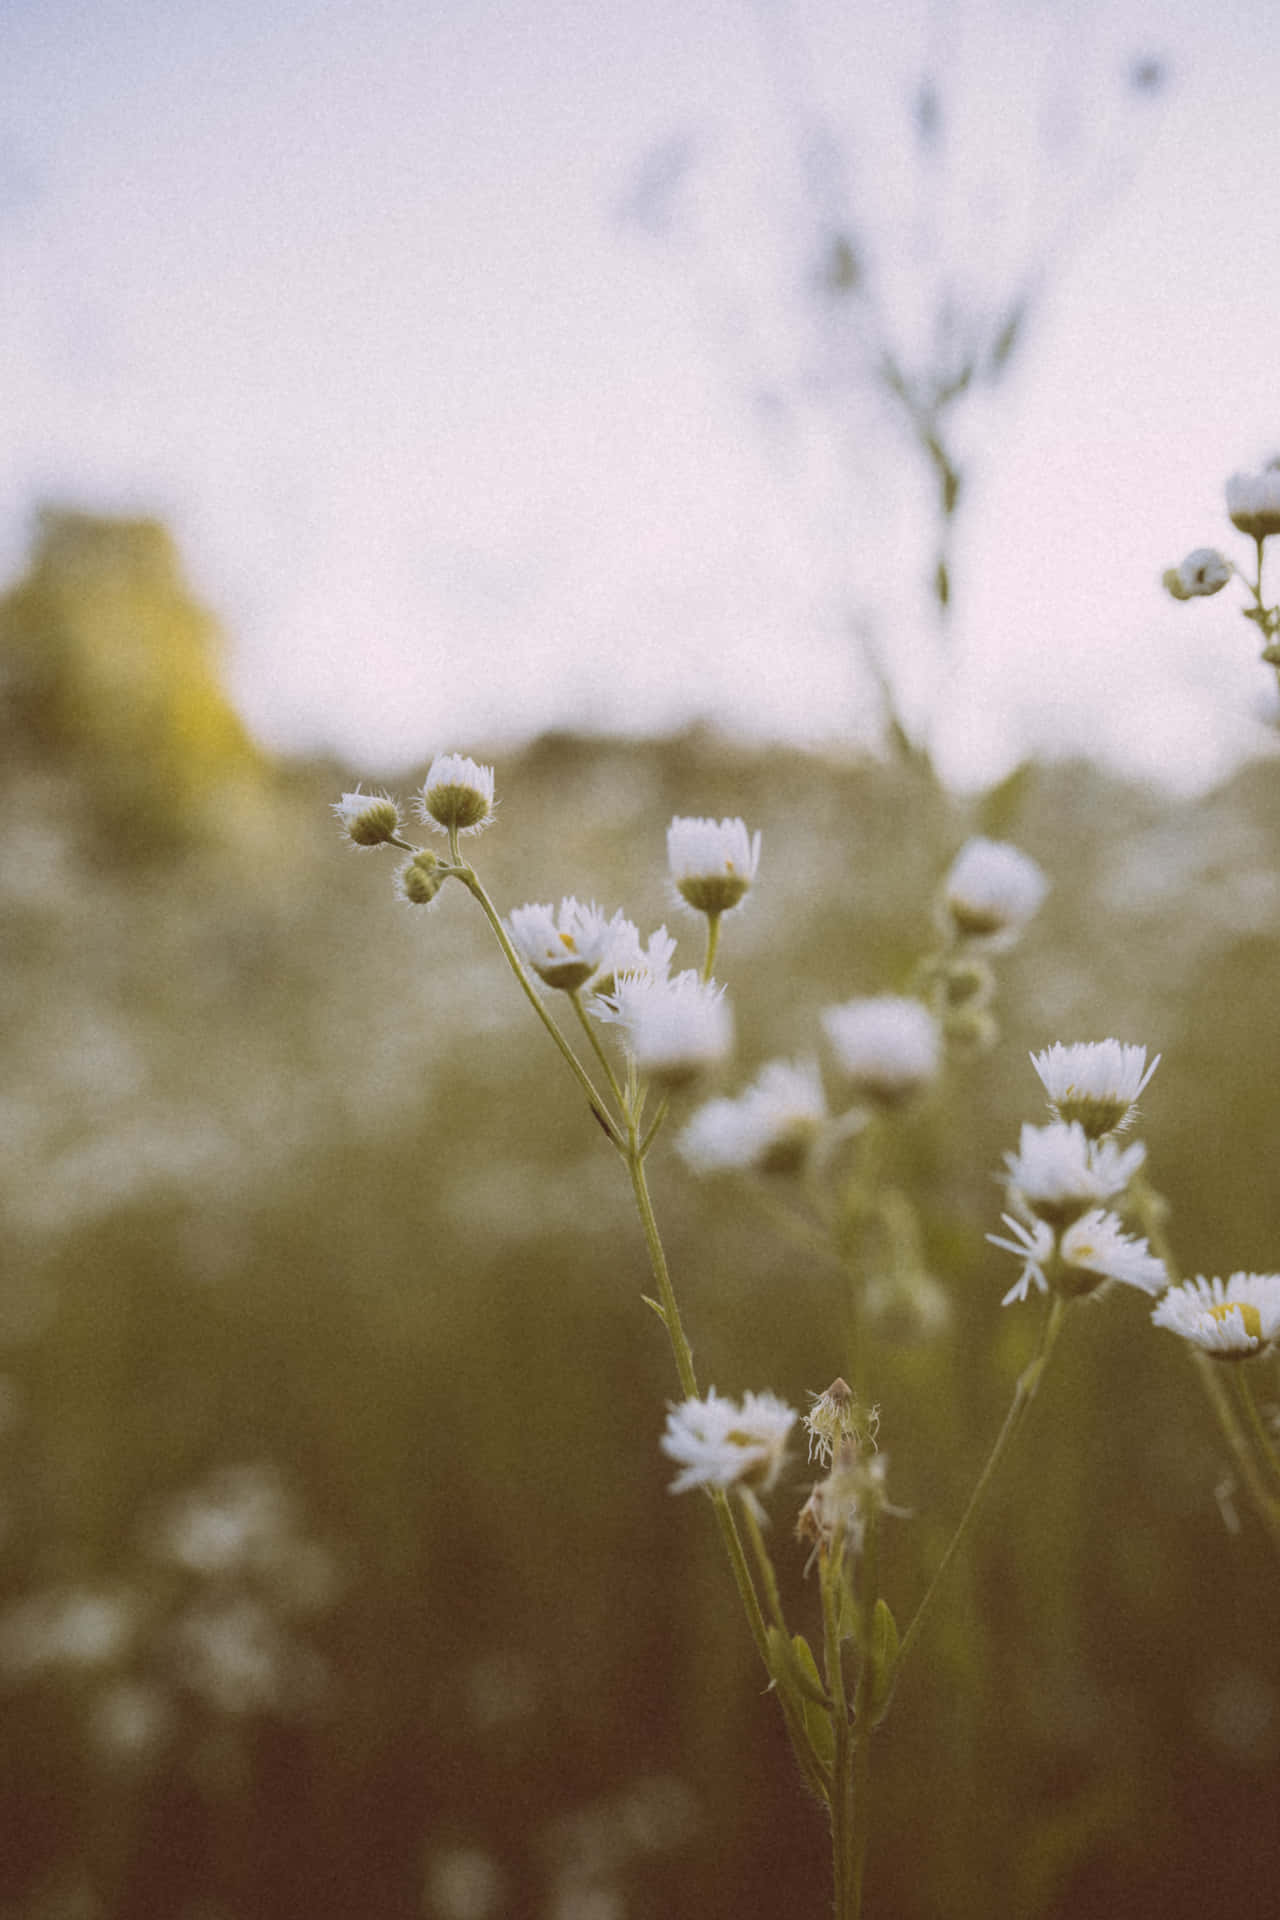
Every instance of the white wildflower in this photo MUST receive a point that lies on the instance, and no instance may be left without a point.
(1098, 1247)
(624, 954)
(719, 1443)
(1059, 1173)
(457, 792)
(564, 949)
(1230, 1319)
(769, 1128)
(1253, 501)
(1034, 1246)
(712, 863)
(1204, 572)
(886, 1047)
(1095, 1082)
(991, 892)
(675, 1029)
(367, 819)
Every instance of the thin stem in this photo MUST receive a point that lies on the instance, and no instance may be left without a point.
(1257, 1425)
(661, 1272)
(862, 1728)
(471, 882)
(1023, 1394)
(713, 941)
(655, 1125)
(1268, 1510)
(768, 1577)
(598, 1048)
(841, 1802)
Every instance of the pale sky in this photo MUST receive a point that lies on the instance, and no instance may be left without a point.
(467, 350)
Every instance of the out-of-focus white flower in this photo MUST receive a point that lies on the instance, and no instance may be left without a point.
(68, 1627)
(887, 1047)
(624, 954)
(724, 1443)
(1230, 1319)
(564, 949)
(769, 1128)
(1097, 1247)
(1253, 501)
(1096, 1082)
(675, 1029)
(457, 792)
(1033, 1245)
(712, 862)
(367, 819)
(991, 892)
(1204, 572)
(1059, 1173)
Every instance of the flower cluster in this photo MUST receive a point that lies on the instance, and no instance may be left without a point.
(1253, 508)
(1064, 1176)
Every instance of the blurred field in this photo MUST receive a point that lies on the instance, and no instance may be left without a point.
(339, 1571)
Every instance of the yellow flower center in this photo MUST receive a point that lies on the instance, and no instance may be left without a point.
(1250, 1318)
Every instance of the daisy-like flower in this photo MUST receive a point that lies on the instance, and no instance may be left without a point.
(991, 892)
(835, 1417)
(1059, 1173)
(624, 954)
(368, 819)
(1096, 1248)
(712, 863)
(1230, 1319)
(721, 1443)
(1204, 572)
(769, 1128)
(1095, 1082)
(457, 792)
(675, 1029)
(886, 1047)
(564, 949)
(1253, 501)
(1093, 1249)
(1033, 1245)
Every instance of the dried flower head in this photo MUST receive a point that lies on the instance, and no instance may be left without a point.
(768, 1129)
(712, 863)
(1095, 1082)
(1231, 1319)
(835, 1419)
(727, 1443)
(457, 793)
(886, 1047)
(991, 892)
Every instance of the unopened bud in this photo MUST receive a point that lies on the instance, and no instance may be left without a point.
(457, 793)
(368, 819)
(420, 879)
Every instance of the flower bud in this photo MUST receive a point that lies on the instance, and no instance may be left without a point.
(368, 819)
(991, 892)
(420, 880)
(457, 794)
(1202, 573)
(712, 863)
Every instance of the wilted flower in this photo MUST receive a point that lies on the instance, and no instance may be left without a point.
(712, 862)
(566, 949)
(769, 1128)
(840, 1506)
(1095, 1082)
(719, 1443)
(1230, 1319)
(675, 1029)
(991, 892)
(834, 1418)
(368, 819)
(1253, 501)
(886, 1047)
(1202, 573)
(1059, 1173)
(457, 793)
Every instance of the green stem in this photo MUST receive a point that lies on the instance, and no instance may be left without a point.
(1268, 1510)
(713, 941)
(471, 882)
(1257, 1425)
(1023, 1394)
(597, 1046)
(842, 1783)
(862, 1726)
(661, 1272)
(768, 1577)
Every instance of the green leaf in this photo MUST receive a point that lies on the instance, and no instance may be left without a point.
(884, 1661)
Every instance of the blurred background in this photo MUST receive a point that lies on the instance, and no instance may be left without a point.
(762, 409)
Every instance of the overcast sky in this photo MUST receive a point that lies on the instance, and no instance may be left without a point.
(471, 352)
